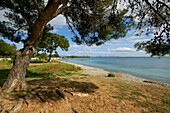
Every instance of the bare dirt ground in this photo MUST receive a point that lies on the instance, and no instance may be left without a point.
(89, 94)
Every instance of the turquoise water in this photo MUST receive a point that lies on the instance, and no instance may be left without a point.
(156, 69)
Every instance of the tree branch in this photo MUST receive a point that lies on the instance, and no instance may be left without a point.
(147, 2)
(163, 4)
(67, 21)
(60, 11)
(43, 19)
(37, 7)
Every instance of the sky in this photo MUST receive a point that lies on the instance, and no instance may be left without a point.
(123, 47)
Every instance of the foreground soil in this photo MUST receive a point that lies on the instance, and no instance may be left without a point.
(89, 94)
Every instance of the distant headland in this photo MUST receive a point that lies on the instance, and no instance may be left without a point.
(76, 57)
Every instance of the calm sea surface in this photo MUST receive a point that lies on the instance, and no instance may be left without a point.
(156, 69)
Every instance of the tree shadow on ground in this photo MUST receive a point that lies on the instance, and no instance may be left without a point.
(74, 86)
(36, 74)
(41, 91)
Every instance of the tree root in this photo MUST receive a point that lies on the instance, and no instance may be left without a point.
(69, 92)
(74, 110)
(14, 108)
(60, 93)
(40, 97)
(25, 99)
(4, 108)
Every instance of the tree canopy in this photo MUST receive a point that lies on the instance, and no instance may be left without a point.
(51, 41)
(153, 17)
(96, 21)
(7, 50)
(92, 21)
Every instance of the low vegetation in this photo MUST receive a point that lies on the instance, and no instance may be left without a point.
(42, 70)
(150, 98)
(111, 75)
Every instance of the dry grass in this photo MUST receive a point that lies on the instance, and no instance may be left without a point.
(91, 94)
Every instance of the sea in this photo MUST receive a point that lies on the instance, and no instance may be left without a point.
(151, 68)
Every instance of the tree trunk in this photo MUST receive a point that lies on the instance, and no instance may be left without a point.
(16, 77)
(17, 74)
(50, 56)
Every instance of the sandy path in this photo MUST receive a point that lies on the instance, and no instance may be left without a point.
(90, 70)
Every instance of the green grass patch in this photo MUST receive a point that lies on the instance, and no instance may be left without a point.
(133, 98)
(51, 70)
(38, 61)
(119, 97)
(30, 79)
(160, 110)
(5, 67)
(122, 87)
(115, 97)
(138, 94)
(167, 94)
(122, 96)
(166, 101)
(143, 104)
(84, 74)
(47, 70)
(64, 73)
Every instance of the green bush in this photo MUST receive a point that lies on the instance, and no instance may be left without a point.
(78, 68)
(65, 73)
(111, 75)
(42, 56)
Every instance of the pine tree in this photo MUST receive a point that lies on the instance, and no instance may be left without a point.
(51, 41)
(95, 21)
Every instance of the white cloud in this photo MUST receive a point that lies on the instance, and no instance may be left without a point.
(132, 31)
(94, 52)
(58, 21)
(122, 49)
(78, 46)
(111, 44)
(134, 37)
(19, 46)
(116, 41)
(140, 40)
(83, 46)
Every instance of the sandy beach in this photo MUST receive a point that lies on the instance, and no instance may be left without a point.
(123, 76)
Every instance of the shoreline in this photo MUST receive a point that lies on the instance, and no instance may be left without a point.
(93, 71)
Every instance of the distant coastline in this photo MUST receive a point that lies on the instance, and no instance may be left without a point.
(76, 57)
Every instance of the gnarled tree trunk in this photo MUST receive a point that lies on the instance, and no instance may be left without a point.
(17, 74)
(16, 77)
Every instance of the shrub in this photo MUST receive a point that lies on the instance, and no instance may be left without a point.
(42, 56)
(111, 75)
